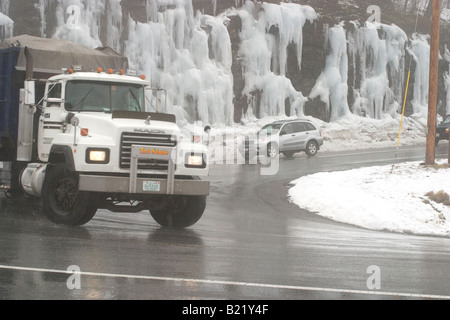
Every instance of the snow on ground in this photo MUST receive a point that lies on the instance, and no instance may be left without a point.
(377, 198)
(389, 198)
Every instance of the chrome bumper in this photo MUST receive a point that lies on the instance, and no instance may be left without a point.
(135, 185)
(108, 184)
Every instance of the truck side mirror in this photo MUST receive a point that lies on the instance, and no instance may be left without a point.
(30, 92)
(208, 129)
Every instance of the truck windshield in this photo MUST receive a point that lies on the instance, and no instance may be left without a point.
(104, 96)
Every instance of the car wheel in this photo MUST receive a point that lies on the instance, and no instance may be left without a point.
(312, 148)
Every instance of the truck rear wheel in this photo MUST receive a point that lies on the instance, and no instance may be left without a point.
(62, 203)
(179, 211)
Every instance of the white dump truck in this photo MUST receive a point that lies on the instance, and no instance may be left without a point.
(91, 137)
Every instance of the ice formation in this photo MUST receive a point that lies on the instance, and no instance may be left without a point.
(264, 54)
(79, 21)
(331, 86)
(383, 75)
(420, 51)
(377, 56)
(189, 55)
(6, 23)
(447, 79)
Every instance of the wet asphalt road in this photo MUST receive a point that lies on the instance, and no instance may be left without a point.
(250, 244)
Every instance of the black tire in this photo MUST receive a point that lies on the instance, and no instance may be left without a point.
(179, 211)
(288, 154)
(62, 203)
(272, 150)
(312, 148)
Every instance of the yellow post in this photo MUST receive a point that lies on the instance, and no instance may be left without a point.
(403, 112)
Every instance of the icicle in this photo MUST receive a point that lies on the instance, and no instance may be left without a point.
(331, 86)
(6, 23)
(6, 26)
(258, 50)
(4, 6)
(420, 51)
(381, 68)
(79, 21)
(173, 50)
(447, 79)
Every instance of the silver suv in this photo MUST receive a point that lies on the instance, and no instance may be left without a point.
(286, 137)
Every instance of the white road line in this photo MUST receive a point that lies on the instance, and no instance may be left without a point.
(233, 283)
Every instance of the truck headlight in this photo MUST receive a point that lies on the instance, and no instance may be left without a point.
(195, 160)
(97, 156)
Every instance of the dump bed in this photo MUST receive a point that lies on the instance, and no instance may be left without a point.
(9, 93)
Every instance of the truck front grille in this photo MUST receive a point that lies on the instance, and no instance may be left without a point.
(156, 140)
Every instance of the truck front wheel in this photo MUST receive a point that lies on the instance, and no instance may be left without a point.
(179, 211)
(62, 203)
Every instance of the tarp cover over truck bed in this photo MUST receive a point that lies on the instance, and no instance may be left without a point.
(51, 55)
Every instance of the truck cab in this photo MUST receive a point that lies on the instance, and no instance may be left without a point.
(98, 139)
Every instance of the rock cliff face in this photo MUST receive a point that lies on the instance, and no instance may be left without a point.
(112, 27)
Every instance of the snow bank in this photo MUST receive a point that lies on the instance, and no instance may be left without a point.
(374, 198)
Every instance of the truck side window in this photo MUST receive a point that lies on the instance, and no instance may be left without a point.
(55, 91)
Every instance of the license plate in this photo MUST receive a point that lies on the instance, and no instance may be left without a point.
(154, 186)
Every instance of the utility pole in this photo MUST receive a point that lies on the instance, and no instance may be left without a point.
(434, 76)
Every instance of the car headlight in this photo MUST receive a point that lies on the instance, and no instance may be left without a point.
(195, 160)
(97, 156)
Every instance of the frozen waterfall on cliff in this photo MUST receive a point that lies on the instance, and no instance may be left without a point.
(189, 54)
(377, 54)
(265, 55)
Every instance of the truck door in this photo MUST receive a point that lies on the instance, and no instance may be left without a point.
(50, 123)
